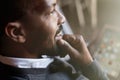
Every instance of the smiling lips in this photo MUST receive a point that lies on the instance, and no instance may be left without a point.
(59, 33)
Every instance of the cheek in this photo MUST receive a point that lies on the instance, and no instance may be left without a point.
(47, 34)
(50, 34)
(50, 27)
(50, 41)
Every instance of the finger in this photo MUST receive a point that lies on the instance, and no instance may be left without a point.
(69, 38)
(76, 41)
(65, 46)
(73, 39)
(83, 57)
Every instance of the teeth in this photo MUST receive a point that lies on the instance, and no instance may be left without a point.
(58, 37)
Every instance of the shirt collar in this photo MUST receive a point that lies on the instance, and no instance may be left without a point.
(26, 62)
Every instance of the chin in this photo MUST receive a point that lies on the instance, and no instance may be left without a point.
(49, 48)
(53, 51)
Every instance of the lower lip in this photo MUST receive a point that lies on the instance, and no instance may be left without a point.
(58, 37)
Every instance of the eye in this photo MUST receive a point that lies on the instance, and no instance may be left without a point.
(52, 12)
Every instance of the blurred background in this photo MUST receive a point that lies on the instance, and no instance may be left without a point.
(98, 21)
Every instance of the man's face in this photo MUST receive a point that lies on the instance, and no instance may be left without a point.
(41, 25)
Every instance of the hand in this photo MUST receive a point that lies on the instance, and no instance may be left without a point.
(76, 47)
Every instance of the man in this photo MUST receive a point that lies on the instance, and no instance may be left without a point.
(30, 29)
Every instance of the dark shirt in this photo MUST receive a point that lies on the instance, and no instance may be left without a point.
(57, 70)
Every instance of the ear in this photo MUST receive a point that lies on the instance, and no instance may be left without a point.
(15, 31)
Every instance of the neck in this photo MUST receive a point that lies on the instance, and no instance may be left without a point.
(18, 53)
(17, 50)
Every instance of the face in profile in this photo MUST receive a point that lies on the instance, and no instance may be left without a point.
(41, 27)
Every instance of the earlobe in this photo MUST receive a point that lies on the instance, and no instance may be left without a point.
(15, 31)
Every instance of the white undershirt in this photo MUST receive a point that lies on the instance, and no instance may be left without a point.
(26, 62)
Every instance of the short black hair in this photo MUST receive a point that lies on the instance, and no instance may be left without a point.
(9, 11)
(12, 10)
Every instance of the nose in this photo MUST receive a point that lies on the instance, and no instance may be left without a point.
(61, 18)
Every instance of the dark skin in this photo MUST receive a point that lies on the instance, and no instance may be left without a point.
(35, 35)
(76, 47)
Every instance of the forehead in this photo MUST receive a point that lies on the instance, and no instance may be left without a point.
(42, 5)
(50, 2)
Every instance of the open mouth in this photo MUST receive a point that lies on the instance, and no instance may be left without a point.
(59, 33)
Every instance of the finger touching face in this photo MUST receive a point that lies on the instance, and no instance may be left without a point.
(42, 27)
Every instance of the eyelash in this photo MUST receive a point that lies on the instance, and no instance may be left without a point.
(52, 12)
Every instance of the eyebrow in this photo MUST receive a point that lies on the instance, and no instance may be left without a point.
(54, 4)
